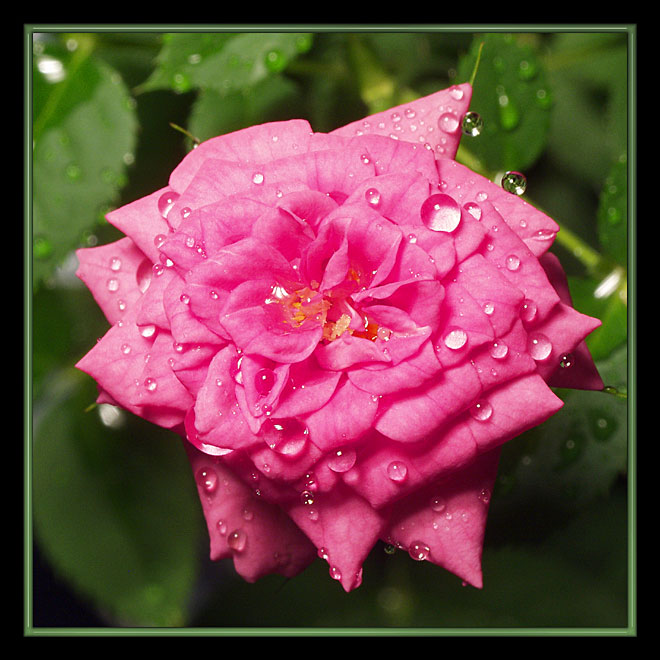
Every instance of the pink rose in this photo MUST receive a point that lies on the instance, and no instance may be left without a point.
(345, 328)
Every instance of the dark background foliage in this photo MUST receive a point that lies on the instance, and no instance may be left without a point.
(115, 534)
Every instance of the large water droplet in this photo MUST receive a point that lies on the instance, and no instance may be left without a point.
(514, 182)
(448, 122)
(513, 262)
(539, 346)
(498, 350)
(207, 479)
(372, 195)
(342, 460)
(166, 201)
(528, 310)
(472, 124)
(397, 471)
(481, 411)
(264, 381)
(419, 551)
(441, 212)
(237, 540)
(456, 339)
(285, 436)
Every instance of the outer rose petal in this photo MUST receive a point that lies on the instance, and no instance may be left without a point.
(441, 112)
(445, 521)
(258, 535)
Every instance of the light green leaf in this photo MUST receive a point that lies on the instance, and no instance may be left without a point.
(225, 62)
(511, 94)
(114, 507)
(84, 135)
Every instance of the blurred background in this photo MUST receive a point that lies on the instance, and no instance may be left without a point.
(115, 532)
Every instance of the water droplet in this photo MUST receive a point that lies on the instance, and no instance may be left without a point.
(113, 285)
(498, 350)
(73, 172)
(438, 503)
(258, 178)
(166, 201)
(342, 460)
(222, 527)
(148, 331)
(372, 195)
(456, 93)
(307, 497)
(247, 514)
(481, 411)
(389, 548)
(528, 310)
(539, 346)
(125, 349)
(513, 262)
(455, 339)
(397, 471)
(441, 212)
(472, 124)
(185, 299)
(207, 479)
(488, 308)
(115, 263)
(151, 384)
(237, 540)
(285, 436)
(159, 239)
(335, 573)
(419, 551)
(448, 122)
(514, 182)
(323, 553)
(473, 209)
(484, 495)
(566, 361)
(264, 381)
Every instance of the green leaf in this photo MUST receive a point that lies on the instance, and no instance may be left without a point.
(604, 300)
(114, 507)
(512, 96)
(613, 214)
(84, 135)
(225, 62)
(214, 113)
(577, 455)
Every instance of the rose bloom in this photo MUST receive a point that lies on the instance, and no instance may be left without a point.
(344, 328)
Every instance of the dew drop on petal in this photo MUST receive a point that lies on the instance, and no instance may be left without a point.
(342, 460)
(264, 381)
(125, 349)
(397, 471)
(441, 212)
(151, 384)
(448, 122)
(258, 178)
(159, 239)
(438, 503)
(307, 497)
(419, 551)
(372, 196)
(484, 495)
(498, 350)
(514, 182)
(222, 527)
(148, 331)
(513, 262)
(166, 201)
(539, 346)
(207, 479)
(113, 285)
(455, 339)
(115, 263)
(473, 209)
(285, 436)
(488, 308)
(528, 310)
(237, 540)
(481, 411)
(335, 573)
(566, 360)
